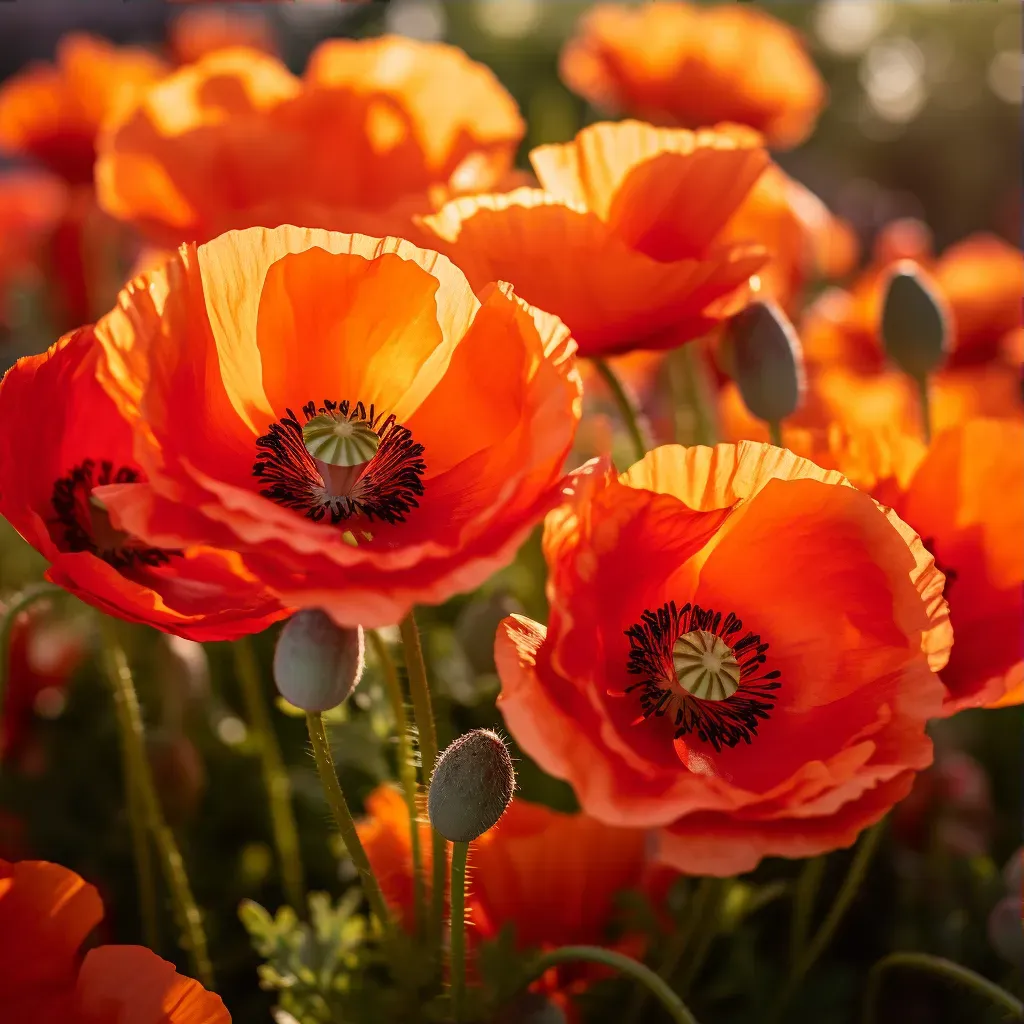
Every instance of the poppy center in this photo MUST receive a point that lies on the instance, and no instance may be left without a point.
(340, 460)
(82, 522)
(699, 667)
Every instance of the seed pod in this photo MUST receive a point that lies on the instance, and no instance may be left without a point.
(768, 362)
(472, 784)
(915, 321)
(317, 663)
(339, 441)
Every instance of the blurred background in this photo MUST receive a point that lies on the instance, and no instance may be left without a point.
(924, 122)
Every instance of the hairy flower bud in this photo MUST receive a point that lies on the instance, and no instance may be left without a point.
(767, 360)
(915, 321)
(472, 784)
(317, 663)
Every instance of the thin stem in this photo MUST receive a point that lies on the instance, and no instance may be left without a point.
(775, 433)
(19, 603)
(126, 702)
(343, 817)
(627, 409)
(142, 852)
(807, 887)
(617, 961)
(406, 771)
(275, 777)
(924, 395)
(947, 969)
(460, 853)
(847, 892)
(419, 690)
(705, 931)
(692, 390)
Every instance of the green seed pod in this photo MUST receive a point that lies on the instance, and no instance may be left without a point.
(317, 663)
(768, 361)
(339, 441)
(472, 784)
(915, 321)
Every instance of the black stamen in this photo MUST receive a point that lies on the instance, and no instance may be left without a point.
(70, 501)
(718, 722)
(387, 490)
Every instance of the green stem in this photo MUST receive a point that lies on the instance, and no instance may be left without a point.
(617, 961)
(691, 390)
(627, 409)
(460, 853)
(807, 887)
(705, 932)
(419, 690)
(947, 969)
(847, 891)
(275, 777)
(406, 771)
(18, 603)
(343, 818)
(142, 852)
(775, 433)
(924, 395)
(129, 716)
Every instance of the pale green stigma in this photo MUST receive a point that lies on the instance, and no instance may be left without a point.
(340, 441)
(705, 665)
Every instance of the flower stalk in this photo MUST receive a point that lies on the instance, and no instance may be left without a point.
(460, 855)
(627, 408)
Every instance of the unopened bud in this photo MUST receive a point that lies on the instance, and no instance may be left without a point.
(472, 784)
(317, 663)
(767, 361)
(915, 322)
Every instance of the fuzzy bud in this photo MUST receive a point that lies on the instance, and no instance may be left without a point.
(472, 784)
(768, 363)
(915, 322)
(317, 664)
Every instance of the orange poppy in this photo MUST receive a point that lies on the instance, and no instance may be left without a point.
(53, 482)
(31, 205)
(624, 240)
(966, 499)
(680, 64)
(53, 112)
(744, 698)
(469, 406)
(46, 913)
(372, 131)
(195, 33)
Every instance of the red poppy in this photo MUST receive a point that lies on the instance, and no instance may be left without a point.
(744, 697)
(54, 480)
(677, 63)
(46, 913)
(469, 405)
(626, 240)
(53, 112)
(373, 130)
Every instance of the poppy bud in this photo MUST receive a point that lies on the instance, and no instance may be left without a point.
(317, 663)
(915, 323)
(471, 786)
(768, 362)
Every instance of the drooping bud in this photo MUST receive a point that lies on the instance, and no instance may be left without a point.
(767, 361)
(472, 784)
(915, 321)
(317, 663)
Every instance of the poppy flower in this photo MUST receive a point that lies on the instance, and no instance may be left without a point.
(680, 64)
(46, 913)
(53, 112)
(53, 478)
(966, 499)
(623, 240)
(743, 697)
(403, 457)
(373, 129)
(31, 205)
